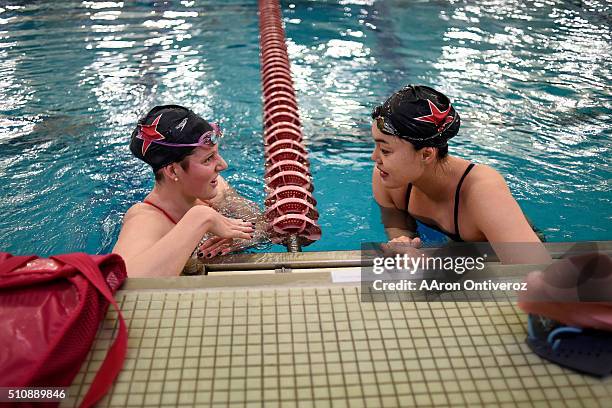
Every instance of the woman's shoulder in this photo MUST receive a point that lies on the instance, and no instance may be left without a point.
(141, 214)
(484, 175)
(141, 223)
(139, 210)
(484, 184)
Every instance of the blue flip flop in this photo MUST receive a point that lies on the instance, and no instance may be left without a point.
(585, 350)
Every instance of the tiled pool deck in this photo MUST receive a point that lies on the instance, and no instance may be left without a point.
(297, 339)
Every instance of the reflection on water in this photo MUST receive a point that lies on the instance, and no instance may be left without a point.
(531, 80)
(78, 75)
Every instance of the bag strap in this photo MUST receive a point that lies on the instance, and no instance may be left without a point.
(14, 262)
(113, 362)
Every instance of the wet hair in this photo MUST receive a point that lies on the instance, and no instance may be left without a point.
(442, 152)
(420, 115)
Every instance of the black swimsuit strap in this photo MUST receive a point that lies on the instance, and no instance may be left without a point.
(455, 236)
(465, 173)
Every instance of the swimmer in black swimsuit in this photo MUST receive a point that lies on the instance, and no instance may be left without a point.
(415, 179)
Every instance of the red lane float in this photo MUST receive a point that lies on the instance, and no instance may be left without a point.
(290, 206)
(284, 144)
(289, 178)
(287, 154)
(282, 134)
(289, 192)
(287, 165)
(280, 100)
(297, 224)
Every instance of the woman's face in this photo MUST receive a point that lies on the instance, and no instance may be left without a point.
(397, 162)
(200, 178)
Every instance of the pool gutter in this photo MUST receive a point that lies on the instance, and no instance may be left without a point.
(287, 262)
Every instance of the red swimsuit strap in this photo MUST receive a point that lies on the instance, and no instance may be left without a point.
(160, 209)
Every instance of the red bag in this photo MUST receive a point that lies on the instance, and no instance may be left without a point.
(50, 311)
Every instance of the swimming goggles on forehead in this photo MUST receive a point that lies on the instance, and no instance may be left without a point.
(383, 123)
(209, 138)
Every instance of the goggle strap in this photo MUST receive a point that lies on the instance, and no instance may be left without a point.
(214, 139)
(388, 127)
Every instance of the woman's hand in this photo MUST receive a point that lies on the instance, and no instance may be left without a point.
(407, 241)
(214, 246)
(217, 246)
(224, 227)
(402, 245)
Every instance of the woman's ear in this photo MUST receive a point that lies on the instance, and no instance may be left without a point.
(428, 154)
(170, 172)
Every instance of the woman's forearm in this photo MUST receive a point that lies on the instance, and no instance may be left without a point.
(168, 256)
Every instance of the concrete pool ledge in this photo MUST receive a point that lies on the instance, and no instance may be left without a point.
(234, 280)
(299, 277)
(318, 269)
(281, 262)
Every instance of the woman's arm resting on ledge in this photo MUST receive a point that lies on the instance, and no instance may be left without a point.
(150, 251)
(501, 220)
(231, 204)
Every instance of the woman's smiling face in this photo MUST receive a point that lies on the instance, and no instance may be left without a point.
(397, 161)
(200, 178)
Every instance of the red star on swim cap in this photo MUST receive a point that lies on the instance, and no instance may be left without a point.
(437, 117)
(149, 133)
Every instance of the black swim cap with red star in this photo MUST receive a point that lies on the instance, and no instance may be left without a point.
(153, 141)
(420, 115)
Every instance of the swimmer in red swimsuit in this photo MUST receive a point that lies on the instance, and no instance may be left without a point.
(159, 235)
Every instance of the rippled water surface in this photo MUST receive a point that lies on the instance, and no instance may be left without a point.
(530, 79)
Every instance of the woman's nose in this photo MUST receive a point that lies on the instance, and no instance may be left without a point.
(374, 156)
(222, 164)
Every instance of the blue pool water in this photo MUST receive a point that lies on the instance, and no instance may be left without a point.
(531, 81)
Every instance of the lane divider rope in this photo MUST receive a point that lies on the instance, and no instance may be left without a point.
(290, 206)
